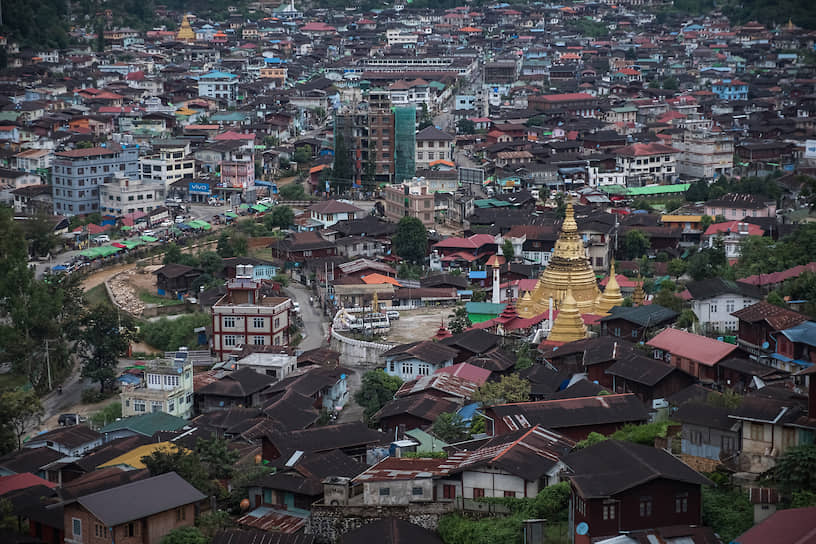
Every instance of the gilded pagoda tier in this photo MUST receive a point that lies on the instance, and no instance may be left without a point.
(568, 270)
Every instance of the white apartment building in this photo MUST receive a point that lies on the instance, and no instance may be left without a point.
(245, 316)
(432, 145)
(220, 85)
(647, 163)
(704, 154)
(119, 196)
(398, 37)
(32, 160)
(167, 387)
(714, 300)
(172, 162)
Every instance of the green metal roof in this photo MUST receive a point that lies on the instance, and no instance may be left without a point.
(649, 190)
(488, 308)
(146, 424)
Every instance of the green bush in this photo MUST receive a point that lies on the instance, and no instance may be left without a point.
(168, 335)
(727, 511)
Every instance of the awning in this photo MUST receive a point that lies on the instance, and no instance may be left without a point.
(259, 208)
(130, 244)
(244, 206)
(232, 215)
(150, 239)
(126, 227)
(263, 183)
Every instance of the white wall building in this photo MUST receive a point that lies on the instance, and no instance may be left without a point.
(167, 387)
(171, 163)
(120, 196)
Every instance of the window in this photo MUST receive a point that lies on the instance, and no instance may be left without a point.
(645, 507)
(729, 306)
(229, 321)
(100, 530)
(616, 331)
(171, 405)
(416, 491)
(478, 492)
(728, 444)
(156, 405)
(510, 494)
(76, 528)
(424, 369)
(230, 340)
(609, 511)
(681, 503)
(580, 506)
(277, 323)
(130, 529)
(713, 308)
(138, 405)
(448, 491)
(189, 398)
(258, 340)
(696, 437)
(408, 368)
(258, 322)
(181, 514)
(385, 491)
(757, 431)
(391, 366)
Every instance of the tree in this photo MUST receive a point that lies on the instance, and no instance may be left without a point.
(687, 319)
(293, 191)
(795, 470)
(727, 511)
(169, 335)
(217, 457)
(511, 388)
(507, 250)
(185, 535)
(376, 390)
(450, 427)
(39, 232)
(666, 298)
(411, 240)
(302, 154)
(20, 412)
(803, 287)
(524, 357)
(459, 320)
(705, 222)
(425, 118)
(676, 267)
(108, 414)
(281, 217)
(776, 299)
(105, 337)
(185, 463)
(211, 263)
(635, 244)
(465, 126)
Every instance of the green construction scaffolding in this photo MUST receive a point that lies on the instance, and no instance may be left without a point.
(405, 143)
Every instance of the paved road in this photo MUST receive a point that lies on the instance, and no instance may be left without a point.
(315, 326)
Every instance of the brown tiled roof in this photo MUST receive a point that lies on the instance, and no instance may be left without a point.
(778, 318)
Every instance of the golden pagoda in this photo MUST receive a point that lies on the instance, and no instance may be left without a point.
(568, 325)
(569, 269)
(612, 294)
(186, 32)
(639, 295)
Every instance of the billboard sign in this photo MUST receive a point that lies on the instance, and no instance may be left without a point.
(198, 188)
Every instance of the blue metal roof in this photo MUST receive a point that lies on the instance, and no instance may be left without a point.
(803, 333)
(478, 274)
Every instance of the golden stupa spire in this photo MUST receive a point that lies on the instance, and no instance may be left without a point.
(639, 295)
(612, 294)
(568, 325)
(185, 32)
(568, 269)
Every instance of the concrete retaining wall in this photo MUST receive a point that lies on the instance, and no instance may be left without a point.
(358, 353)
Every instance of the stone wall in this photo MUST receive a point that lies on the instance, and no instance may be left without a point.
(329, 523)
(358, 353)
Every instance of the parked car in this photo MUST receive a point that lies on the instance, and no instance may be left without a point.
(265, 200)
(166, 223)
(179, 219)
(392, 314)
(102, 239)
(148, 233)
(296, 306)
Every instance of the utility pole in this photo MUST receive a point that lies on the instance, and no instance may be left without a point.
(48, 363)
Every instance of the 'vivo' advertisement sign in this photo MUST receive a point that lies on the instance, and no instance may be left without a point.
(199, 188)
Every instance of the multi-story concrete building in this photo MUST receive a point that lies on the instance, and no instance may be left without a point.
(170, 162)
(380, 140)
(245, 316)
(119, 196)
(77, 175)
(410, 198)
(730, 89)
(432, 145)
(34, 161)
(647, 163)
(704, 154)
(220, 85)
(167, 386)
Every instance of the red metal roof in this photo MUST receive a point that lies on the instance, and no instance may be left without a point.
(22, 481)
(703, 350)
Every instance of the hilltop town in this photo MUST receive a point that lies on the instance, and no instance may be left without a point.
(274, 273)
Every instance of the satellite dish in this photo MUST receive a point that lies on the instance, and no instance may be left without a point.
(582, 528)
(765, 345)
